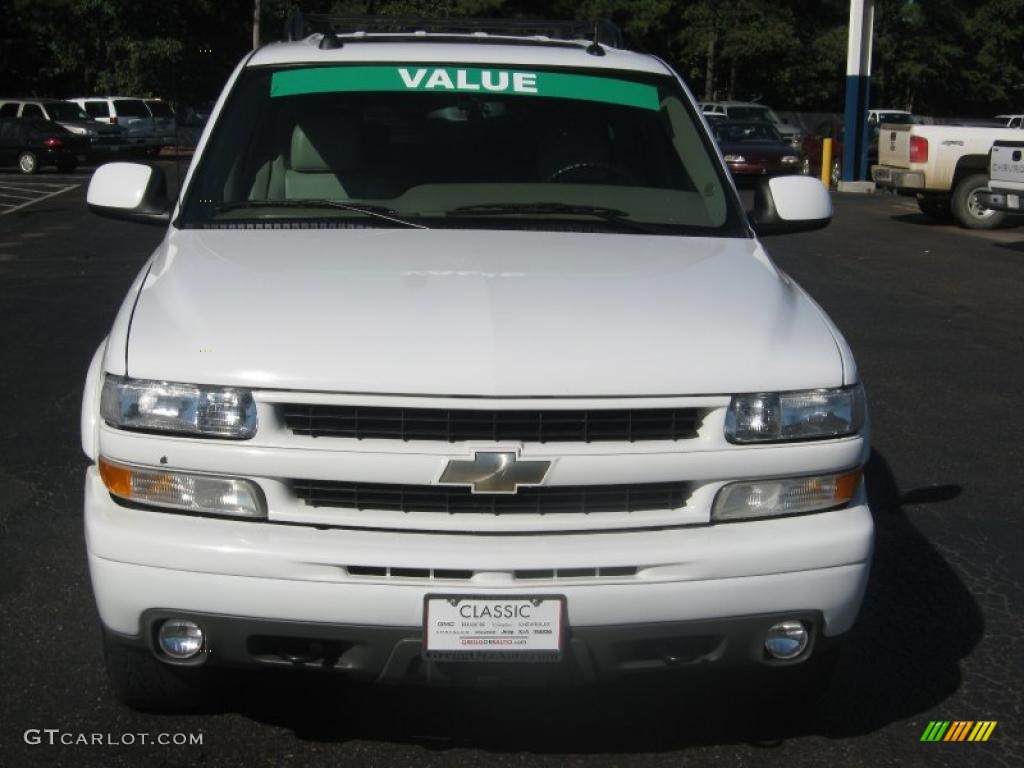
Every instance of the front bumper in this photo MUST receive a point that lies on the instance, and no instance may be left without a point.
(897, 178)
(395, 654)
(762, 170)
(700, 593)
(1007, 202)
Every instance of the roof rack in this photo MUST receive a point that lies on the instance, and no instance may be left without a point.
(599, 32)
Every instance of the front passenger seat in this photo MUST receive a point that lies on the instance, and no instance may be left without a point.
(327, 161)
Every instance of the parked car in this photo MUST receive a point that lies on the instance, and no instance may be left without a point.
(755, 149)
(1011, 121)
(165, 124)
(31, 143)
(834, 129)
(944, 166)
(1005, 178)
(104, 140)
(747, 111)
(468, 374)
(131, 114)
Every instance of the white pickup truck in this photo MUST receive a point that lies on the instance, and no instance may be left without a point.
(944, 166)
(1006, 178)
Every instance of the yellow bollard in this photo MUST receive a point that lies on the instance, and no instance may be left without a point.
(826, 163)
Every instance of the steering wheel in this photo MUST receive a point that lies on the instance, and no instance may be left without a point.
(603, 171)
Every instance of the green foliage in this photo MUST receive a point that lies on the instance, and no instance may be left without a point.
(936, 56)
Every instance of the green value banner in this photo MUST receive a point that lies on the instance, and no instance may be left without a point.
(293, 82)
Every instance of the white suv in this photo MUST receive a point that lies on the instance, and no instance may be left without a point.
(460, 348)
(132, 114)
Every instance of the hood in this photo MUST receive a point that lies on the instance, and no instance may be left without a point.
(470, 312)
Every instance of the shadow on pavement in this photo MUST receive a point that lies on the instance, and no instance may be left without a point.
(926, 221)
(1018, 246)
(901, 659)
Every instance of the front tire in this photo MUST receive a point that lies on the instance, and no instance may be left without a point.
(968, 210)
(28, 163)
(938, 208)
(146, 684)
(836, 174)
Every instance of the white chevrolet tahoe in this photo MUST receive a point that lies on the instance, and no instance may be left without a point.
(460, 361)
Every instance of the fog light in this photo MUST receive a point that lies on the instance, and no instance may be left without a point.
(180, 639)
(786, 640)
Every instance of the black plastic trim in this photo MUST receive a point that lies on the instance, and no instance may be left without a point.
(395, 654)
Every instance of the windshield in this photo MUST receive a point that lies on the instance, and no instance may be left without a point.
(159, 109)
(66, 112)
(130, 108)
(895, 118)
(754, 113)
(740, 133)
(461, 147)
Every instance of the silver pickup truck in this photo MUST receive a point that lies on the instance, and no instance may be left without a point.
(1005, 178)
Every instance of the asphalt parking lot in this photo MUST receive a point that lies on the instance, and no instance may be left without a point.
(934, 315)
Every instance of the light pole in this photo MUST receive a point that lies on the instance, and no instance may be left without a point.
(255, 23)
(858, 84)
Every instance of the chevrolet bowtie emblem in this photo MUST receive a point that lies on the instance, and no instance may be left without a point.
(494, 472)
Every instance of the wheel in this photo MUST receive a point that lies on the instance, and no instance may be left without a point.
(968, 210)
(142, 682)
(836, 174)
(937, 208)
(28, 162)
(67, 166)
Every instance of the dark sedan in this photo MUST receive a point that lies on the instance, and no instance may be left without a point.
(755, 149)
(31, 144)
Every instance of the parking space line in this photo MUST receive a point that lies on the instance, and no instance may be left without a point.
(39, 199)
(21, 188)
(18, 197)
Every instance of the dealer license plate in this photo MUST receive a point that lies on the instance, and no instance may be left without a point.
(473, 628)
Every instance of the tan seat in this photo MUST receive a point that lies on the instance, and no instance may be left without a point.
(327, 161)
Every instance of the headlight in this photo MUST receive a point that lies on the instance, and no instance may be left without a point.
(791, 159)
(808, 415)
(184, 409)
(789, 496)
(183, 491)
(735, 159)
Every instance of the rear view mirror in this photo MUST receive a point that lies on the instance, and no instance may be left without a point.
(788, 204)
(131, 192)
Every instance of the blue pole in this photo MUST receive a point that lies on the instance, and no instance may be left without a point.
(858, 85)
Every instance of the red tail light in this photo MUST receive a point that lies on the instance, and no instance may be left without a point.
(918, 149)
(54, 143)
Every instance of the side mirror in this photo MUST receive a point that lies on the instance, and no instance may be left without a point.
(131, 192)
(788, 204)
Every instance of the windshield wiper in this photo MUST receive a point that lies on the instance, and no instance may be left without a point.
(610, 215)
(376, 211)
